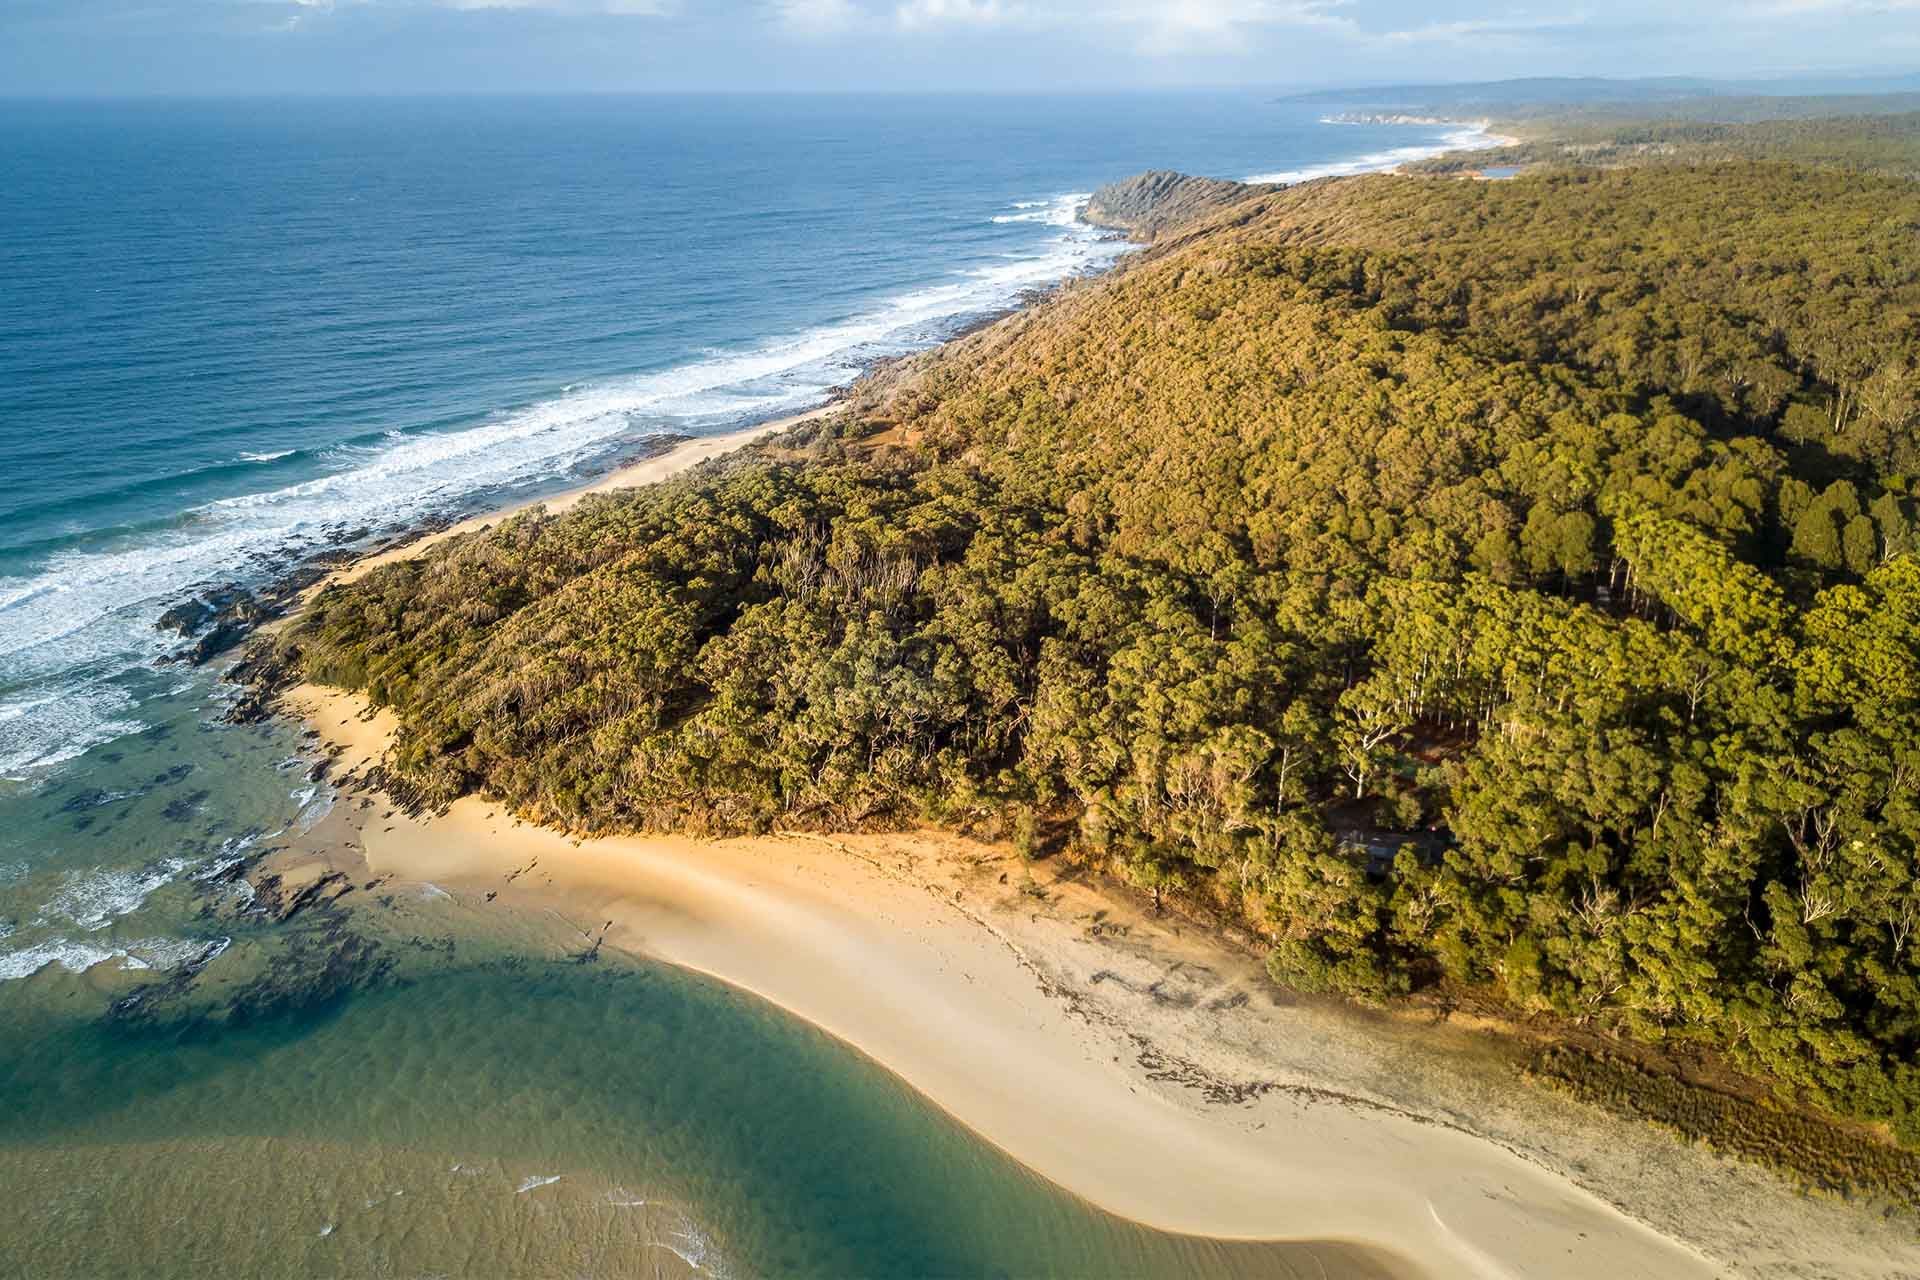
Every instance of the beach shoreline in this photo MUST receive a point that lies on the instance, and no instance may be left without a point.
(1467, 136)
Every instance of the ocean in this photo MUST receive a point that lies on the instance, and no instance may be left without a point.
(235, 334)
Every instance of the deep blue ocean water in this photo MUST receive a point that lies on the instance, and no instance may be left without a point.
(234, 333)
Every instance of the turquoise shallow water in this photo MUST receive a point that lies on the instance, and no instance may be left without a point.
(235, 334)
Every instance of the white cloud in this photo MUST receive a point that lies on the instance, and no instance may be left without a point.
(928, 13)
(1792, 7)
(1173, 26)
(816, 15)
(647, 8)
(1161, 25)
(1465, 30)
(631, 8)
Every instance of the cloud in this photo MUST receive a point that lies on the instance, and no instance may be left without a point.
(1161, 26)
(1463, 30)
(816, 15)
(635, 8)
(628, 8)
(930, 13)
(1175, 26)
(1792, 8)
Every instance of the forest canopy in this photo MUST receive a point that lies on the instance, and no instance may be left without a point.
(1508, 584)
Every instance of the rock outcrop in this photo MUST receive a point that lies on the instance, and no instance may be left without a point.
(1148, 204)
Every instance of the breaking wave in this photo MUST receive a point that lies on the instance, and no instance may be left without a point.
(1467, 137)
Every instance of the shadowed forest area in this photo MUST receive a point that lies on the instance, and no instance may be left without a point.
(1509, 586)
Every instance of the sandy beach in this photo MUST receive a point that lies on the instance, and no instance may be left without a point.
(1132, 1059)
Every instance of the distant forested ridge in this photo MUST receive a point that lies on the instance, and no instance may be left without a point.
(1510, 585)
(1886, 142)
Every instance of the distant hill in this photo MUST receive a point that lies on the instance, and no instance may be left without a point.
(1694, 97)
(1528, 92)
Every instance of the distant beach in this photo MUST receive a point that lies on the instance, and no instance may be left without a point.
(1461, 136)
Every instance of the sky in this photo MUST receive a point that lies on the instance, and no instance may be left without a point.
(200, 47)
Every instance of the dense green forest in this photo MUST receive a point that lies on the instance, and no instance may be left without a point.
(1509, 585)
(1828, 133)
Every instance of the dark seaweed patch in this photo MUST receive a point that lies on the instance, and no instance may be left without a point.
(181, 808)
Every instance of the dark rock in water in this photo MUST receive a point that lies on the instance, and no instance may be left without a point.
(94, 798)
(217, 642)
(183, 807)
(219, 619)
(185, 618)
(1149, 204)
(312, 966)
(326, 890)
(232, 603)
(260, 676)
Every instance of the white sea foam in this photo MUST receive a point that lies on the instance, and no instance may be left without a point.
(670, 1228)
(75, 957)
(57, 721)
(74, 634)
(273, 456)
(693, 1247)
(535, 1182)
(1468, 137)
(1061, 211)
(95, 899)
(315, 804)
(171, 953)
(78, 957)
(231, 853)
